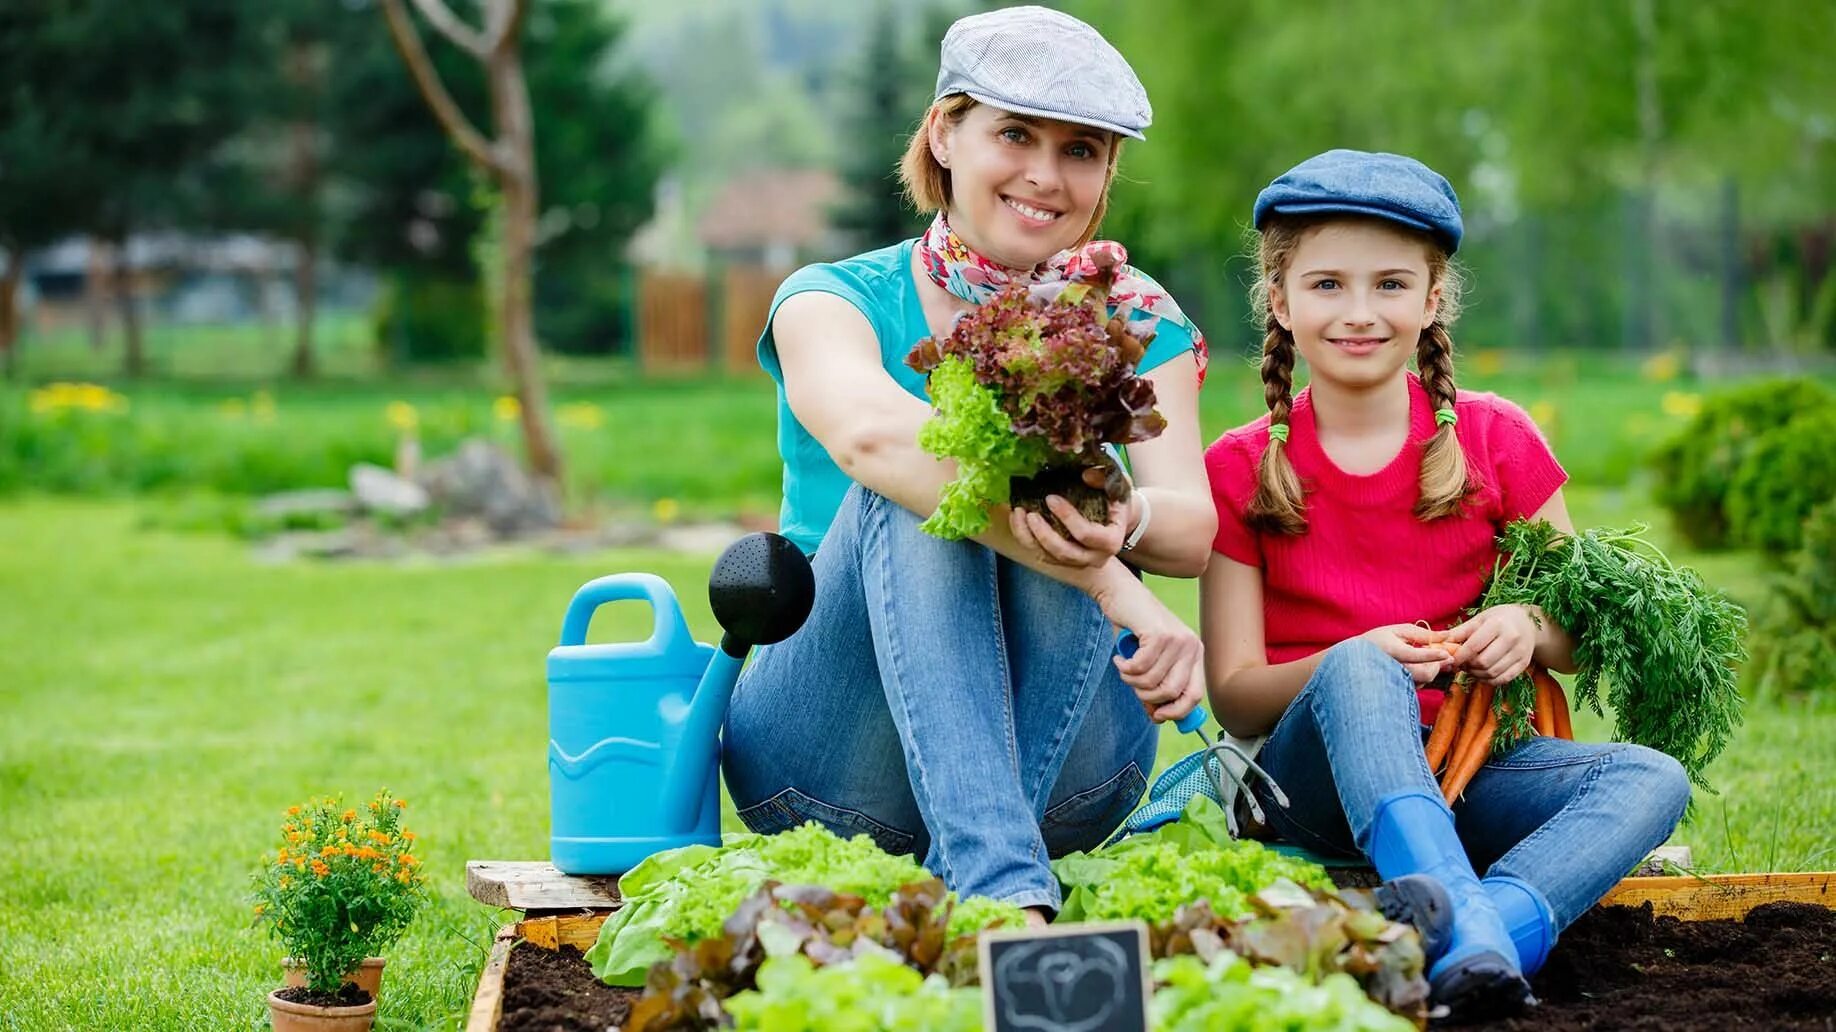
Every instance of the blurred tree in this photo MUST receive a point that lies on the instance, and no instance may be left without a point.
(888, 96)
(509, 160)
(128, 120)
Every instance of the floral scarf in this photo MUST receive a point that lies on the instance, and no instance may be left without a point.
(1136, 297)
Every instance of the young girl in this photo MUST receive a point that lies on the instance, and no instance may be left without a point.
(1353, 516)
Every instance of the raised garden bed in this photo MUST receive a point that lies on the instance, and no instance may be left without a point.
(1752, 951)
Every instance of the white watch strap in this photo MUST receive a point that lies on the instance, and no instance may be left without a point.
(1147, 515)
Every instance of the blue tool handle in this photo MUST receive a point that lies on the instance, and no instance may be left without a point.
(1126, 646)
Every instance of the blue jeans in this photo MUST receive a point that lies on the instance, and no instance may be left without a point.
(1569, 818)
(946, 702)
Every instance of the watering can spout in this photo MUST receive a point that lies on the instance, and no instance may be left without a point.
(761, 590)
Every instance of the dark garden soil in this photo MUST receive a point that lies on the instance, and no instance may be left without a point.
(347, 995)
(1620, 968)
(555, 991)
(1616, 968)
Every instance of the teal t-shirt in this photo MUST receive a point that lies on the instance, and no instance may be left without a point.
(879, 284)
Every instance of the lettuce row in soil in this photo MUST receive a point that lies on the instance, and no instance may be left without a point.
(762, 971)
(1032, 379)
(687, 894)
(1665, 643)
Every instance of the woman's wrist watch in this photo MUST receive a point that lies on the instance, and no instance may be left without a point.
(1147, 515)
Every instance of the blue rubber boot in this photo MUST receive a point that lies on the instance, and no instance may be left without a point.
(1477, 975)
(1527, 916)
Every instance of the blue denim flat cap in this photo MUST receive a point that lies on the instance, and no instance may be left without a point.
(1036, 61)
(1386, 186)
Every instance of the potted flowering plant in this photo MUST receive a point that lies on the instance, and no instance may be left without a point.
(343, 885)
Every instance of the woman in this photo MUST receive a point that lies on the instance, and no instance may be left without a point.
(962, 699)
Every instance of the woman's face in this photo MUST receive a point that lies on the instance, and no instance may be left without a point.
(1356, 296)
(1021, 188)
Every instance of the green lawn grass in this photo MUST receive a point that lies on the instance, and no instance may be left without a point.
(163, 698)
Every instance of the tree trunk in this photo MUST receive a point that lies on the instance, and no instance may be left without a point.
(96, 276)
(9, 310)
(510, 101)
(306, 297)
(134, 364)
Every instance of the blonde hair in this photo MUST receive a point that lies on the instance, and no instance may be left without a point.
(1279, 503)
(927, 183)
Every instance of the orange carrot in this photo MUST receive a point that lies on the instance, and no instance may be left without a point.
(1447, 724)
(1564, 725)
(1543, 715)
(1474, 746)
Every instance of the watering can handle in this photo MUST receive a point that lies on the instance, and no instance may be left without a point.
(670, 631)
(1126, 644)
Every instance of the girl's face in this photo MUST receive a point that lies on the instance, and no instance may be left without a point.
(1356, 296)
(1021, 188)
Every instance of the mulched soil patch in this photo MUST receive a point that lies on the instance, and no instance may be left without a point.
(1621, 968)
(555, 991)
(1615, 968)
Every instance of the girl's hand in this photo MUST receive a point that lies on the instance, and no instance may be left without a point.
(1415, 648)
(1090, 544)
(1498, 644)
(1168, 671)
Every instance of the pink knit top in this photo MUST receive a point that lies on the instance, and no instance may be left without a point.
(1366, 560)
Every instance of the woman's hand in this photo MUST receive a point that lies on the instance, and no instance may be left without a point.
(1498, 644)
(1414, 647)
(1168, 671)
(1090, 544)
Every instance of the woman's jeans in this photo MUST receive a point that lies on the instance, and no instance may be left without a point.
(946, 702)
(1569, 818)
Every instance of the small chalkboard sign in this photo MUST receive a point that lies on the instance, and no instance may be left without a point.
(1066, 978)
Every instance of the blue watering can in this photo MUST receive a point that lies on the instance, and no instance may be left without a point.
(634, 727)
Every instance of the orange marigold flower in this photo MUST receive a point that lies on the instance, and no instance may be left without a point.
(404, 877)
(319, 868)
(401, 804)
(350, 815)
(260, 907)
(329, 851)
(379, 868)
(409, 835)
(293, 811)
(300, 863)
(281, 857)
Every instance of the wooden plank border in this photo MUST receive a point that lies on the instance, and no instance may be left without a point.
(488, 1003)
(1707, 897)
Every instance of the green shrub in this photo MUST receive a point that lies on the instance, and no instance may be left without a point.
(1787, 473)
(1696, 468)
(1793, 644)
(428, 318)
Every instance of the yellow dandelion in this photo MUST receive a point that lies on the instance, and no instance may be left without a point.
(666, 510)
(402, 416)
(582, 415)
(507, 409)
(1681, 404)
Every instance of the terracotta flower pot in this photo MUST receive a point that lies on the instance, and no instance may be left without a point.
(367, 977)
(300, 1017)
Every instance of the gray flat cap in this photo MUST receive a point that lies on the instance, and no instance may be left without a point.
(1037, 61)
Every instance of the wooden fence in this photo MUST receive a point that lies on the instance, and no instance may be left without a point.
(690, 324)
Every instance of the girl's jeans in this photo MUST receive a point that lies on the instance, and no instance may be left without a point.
(1570, 818)
(946, 702)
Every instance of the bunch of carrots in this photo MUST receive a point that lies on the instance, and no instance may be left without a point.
(1467, 726)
